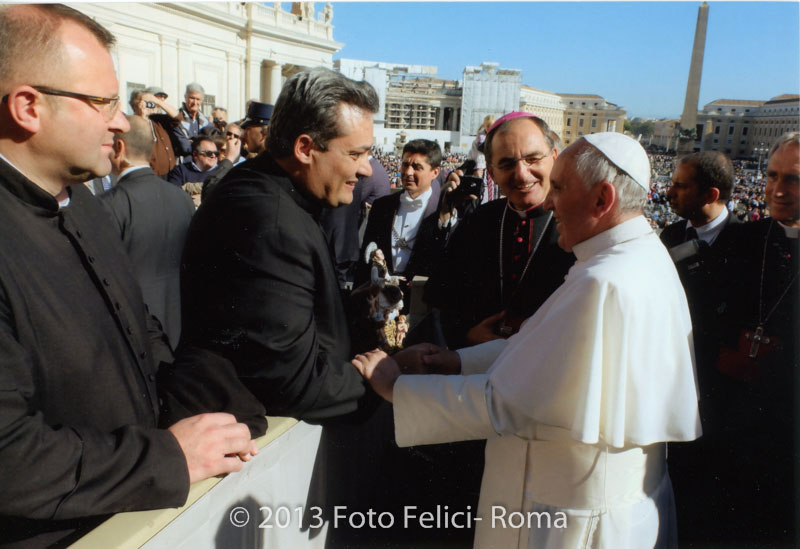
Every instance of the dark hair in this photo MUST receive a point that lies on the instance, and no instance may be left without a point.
(429, 148)
(29, 37)
(309, 104)
(199, 139)
(487, 144)
(711, 169)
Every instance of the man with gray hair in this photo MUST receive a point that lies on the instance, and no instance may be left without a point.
(258, 282)
(576, 408)
(192, 120)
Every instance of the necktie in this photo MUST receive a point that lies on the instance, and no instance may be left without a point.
(691, 234)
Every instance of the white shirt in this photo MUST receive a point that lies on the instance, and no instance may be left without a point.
(126, 171)
(577, 405)
(710, 231)
(407, 222)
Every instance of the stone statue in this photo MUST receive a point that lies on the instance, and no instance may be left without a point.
(327, 13)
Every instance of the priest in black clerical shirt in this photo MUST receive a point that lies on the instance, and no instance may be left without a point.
(503, 261)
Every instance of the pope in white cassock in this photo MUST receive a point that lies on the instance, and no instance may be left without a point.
(577, 407)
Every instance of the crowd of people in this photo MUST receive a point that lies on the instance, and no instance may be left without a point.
(144, 339)
(747, 200)
(391, 163)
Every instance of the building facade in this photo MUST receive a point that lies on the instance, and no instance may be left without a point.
(544, 104)
(236, 51)
(587, 113)
(741, 128)
(488, 90)
(665, 133)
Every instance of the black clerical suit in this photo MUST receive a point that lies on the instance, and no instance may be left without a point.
(744, 475)
(78, 402)
(467, 287)
(258, 286)
(153, 218)
(699, 267)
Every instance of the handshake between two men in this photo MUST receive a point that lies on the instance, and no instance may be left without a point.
(382, 370)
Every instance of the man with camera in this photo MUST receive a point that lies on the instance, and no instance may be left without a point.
(503, 260)
(150, 105)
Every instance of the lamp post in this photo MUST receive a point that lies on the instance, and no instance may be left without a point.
(761, 150)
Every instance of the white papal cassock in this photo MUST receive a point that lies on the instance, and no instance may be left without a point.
(577, 406)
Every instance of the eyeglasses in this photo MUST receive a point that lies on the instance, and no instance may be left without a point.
(508, 164)
(231, 134)
(107, 106)
(207, 154)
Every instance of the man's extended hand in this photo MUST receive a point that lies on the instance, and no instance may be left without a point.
(233, 148)
(485, 330)
(426, 358)
(380, 370)
(213, 444)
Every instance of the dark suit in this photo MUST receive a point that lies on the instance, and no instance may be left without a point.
(153, 218)
(700, 274)
(78, 399)
(341, 228)
(467, 286)
(258, 286)
(376, 185)
(743, 471)
(427, 245)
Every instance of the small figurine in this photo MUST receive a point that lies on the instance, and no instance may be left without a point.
(379, 274)
(401, 331)
(374, 310)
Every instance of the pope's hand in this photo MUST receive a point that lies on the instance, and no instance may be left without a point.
(426, 358)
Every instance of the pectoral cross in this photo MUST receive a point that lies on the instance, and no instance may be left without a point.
(758, 337)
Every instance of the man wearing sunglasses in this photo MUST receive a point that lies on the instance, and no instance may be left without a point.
(79, 407)
(197, 168)
(231, 156)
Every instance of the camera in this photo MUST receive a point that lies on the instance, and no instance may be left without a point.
(469, 185)
(149, 104)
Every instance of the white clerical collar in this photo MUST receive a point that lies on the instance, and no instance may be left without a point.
(126, 171)
(627, 230)
(791, 232)
(708, 232)
(523, 214)
(409, 204)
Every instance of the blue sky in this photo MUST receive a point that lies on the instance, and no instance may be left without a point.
(635, 54)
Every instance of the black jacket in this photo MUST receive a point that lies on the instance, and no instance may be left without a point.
(258, 286)
(153, 218)
(428, 243)
(78, 402)
(466, 284)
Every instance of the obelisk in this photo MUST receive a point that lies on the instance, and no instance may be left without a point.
(688, 132)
